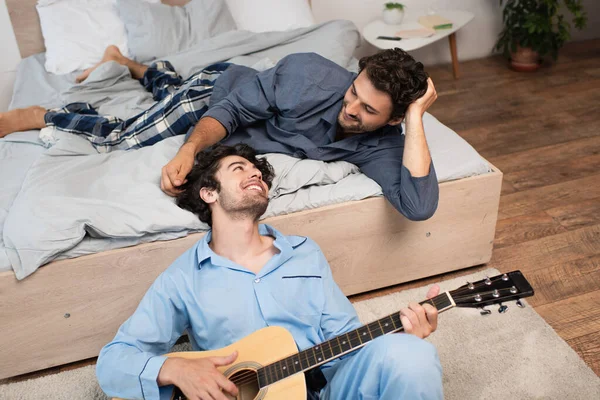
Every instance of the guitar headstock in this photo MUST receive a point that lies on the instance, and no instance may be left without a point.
(495, 290)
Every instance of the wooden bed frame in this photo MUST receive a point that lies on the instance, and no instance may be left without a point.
(67, 310)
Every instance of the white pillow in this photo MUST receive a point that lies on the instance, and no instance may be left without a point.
(270, 15)
(158, 30)
(76, 32)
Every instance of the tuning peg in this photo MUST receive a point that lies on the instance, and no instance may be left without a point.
(470, 285)
(502, 309)
(520, 304)
(484, 311)
(487, 281)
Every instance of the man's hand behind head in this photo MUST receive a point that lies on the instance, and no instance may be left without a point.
(419, 106)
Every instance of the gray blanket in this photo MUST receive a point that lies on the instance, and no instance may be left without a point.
(68, 200)
(75, 201)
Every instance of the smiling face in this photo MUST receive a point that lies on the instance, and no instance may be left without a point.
(365, 108)
(242, 192)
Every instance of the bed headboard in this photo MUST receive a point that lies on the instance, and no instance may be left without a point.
(26, 24)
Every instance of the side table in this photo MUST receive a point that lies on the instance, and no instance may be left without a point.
(378, 28)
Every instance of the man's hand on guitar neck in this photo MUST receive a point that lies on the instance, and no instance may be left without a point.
(421, 320)
(198, 379)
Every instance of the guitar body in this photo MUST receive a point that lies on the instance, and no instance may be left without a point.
(261, 348)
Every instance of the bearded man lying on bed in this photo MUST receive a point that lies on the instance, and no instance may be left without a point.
(306, 106)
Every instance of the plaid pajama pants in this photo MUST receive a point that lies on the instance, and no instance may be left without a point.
(180, 105)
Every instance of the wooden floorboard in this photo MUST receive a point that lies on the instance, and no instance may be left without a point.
(588, 347)
(572, 316)
(542, 130)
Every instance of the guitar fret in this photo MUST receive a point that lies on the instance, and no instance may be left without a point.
(327, 350)
(268, 369)
(275, 371)
(393, 322)
(286, 367)
(354, 338)
(389, 325)
(320, 357)
(397, 321)
(374, 328)
(296, 363)
(383, 332)
(346, 345)
(306, 361)
(363, 335)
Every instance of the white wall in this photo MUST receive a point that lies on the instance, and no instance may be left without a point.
(9, 57)
(475, 40)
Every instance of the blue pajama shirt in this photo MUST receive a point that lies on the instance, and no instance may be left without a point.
(291, 108)
(219, 302)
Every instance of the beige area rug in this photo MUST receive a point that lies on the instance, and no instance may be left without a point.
(515, 355)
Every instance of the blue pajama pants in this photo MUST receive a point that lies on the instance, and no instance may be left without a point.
(180, 105)
(391, 367)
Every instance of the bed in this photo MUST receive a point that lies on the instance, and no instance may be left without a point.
(88, 285)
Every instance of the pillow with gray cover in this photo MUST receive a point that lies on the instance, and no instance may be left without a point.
(155, 30)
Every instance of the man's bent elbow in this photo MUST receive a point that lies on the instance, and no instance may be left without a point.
(421, 214)
(417, 212)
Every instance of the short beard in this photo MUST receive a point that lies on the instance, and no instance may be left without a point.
(353, 129)
(246, 208)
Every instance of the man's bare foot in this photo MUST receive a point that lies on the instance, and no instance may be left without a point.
(112, 53)
(22, 119)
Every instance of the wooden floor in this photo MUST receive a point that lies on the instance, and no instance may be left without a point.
(542, 130)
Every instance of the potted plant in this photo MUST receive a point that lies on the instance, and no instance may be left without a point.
(393, 13)
(534, 29)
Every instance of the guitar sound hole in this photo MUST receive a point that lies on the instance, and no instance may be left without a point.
(246, 381)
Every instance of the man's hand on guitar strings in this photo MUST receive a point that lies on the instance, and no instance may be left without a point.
(199, 379)
(421, 320)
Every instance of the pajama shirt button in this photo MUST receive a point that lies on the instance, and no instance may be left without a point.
(257, 280)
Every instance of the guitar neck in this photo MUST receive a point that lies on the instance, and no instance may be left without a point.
(341, 345)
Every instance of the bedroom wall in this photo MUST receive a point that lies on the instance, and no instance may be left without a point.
(475, 40)
(10, 57)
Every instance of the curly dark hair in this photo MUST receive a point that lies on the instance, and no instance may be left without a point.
(396, 73)
(203, 174)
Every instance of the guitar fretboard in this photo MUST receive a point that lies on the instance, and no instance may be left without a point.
(340, 345)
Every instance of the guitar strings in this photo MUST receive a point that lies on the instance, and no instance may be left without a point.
(250, 376)
(458, 294)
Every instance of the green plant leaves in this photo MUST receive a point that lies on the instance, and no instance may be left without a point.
(538, 24)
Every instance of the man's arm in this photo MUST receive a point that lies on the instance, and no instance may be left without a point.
(415, 197)
(252, 101)
(416, 157)
(128, 366)
(207, 132)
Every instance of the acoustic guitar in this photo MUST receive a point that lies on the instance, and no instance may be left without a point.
(269, 365)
